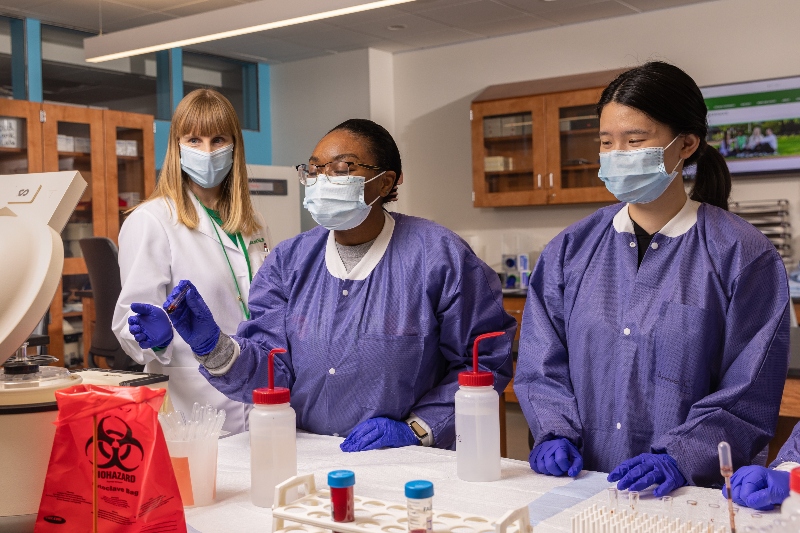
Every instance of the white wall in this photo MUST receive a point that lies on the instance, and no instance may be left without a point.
(715, 42)
(310, 97)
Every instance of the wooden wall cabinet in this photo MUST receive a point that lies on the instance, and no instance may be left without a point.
(60, 137)
(536, 143)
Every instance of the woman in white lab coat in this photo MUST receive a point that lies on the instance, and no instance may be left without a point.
(199, 224)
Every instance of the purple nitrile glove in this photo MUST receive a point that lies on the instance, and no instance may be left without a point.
(150, 326)
(555, 458)
(758, 487)
(647, 469)
(193, 320)
(377, 433)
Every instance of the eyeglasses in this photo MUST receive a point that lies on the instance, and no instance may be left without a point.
(337, 172)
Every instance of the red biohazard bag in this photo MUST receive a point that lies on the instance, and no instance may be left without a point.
(110, 469)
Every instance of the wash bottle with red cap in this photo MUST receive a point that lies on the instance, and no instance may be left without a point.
(478, 422)
(791, 505)
(273, 441)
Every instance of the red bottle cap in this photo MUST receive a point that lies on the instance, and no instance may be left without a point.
(794, 480)
(271, 395)
(475, 377)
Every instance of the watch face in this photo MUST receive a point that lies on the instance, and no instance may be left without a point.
(418, 430)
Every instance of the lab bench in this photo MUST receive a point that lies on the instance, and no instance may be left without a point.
(382, 474)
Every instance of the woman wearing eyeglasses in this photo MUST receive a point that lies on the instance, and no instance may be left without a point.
(377, 311)
(198, 224)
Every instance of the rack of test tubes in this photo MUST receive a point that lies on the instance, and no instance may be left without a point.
(312, 513)
(601, 519)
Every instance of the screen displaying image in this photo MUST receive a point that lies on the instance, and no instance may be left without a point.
(756, 125)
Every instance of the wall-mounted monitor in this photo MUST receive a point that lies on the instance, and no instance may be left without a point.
(756, 125)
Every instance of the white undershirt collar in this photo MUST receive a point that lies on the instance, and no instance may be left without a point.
(677, 226)
(368, 263)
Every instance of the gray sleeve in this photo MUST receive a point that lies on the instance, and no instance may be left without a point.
(219, 360)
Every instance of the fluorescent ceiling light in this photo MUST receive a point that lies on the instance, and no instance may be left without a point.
(242, 19)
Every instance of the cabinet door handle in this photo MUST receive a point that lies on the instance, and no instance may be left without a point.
(551, 180)
(538, 181)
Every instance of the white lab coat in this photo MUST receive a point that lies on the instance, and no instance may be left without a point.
(155, 253)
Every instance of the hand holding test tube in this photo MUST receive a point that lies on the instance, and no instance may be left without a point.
(726, 469)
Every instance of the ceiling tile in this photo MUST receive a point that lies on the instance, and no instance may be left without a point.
(425, 5)
(437, 38)
(124, 23)
(338, 40)
(537, 7)
(22, 5)
(414, 25)
(596, 11)
(649, 5)
(519, 24)
(466, 16)
(192, 7)
(150, 5)
(356, 20)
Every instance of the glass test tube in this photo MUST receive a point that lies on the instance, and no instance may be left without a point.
(691, 510)
(666, 506)
(613, 497)
(633, 501)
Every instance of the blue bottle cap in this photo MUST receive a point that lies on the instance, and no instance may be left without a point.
(419, 489)
(341, 479)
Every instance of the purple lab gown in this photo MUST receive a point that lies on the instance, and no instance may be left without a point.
(388, 345)
(688, 350)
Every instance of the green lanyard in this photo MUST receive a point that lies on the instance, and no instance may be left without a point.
(244, 249)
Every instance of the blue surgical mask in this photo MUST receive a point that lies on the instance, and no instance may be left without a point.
(338, 206)
(636, 176)
(207, 169)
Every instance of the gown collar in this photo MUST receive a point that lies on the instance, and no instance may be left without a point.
(677, 226)
(368, 263)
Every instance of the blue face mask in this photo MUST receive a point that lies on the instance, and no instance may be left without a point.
(636, 176)
(207, 169)
(338, 206)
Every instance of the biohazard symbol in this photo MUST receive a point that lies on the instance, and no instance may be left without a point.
(117, 445)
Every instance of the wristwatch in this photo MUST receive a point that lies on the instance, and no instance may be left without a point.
(418, 430)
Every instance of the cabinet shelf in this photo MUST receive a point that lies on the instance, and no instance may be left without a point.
(128, 157)
(586, 131)
(73, 314)
(9, 150)
(508, 138)
(580, 167)
(509, 172)
(74, 154)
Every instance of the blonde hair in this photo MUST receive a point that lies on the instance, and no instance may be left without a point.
(205, 112)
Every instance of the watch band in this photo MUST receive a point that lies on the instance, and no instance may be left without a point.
(418, 430)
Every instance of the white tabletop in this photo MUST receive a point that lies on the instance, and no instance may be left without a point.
(382, 474)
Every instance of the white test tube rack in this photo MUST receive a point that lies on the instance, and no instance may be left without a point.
(312, 513)
(596, 519)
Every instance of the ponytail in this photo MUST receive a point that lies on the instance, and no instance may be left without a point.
(712, 184)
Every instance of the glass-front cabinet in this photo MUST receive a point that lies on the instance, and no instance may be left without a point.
(20, 138)
(507, 159)
(574, 161)
(538, 149)
(130, 164)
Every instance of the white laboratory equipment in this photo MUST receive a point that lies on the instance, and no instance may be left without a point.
(478, 422)
(33, 210)
(791, 505)
(273, 440)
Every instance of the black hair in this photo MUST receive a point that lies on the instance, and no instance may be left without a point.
(381, 145)
(670, 96)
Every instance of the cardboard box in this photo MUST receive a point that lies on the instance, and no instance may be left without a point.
(65, 143)
(494, 163)
(127, 148)
(12, 132)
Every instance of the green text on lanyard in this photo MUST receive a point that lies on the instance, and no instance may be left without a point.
(240, 242)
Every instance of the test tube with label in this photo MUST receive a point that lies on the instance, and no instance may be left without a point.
(419, 501)
(341, 483)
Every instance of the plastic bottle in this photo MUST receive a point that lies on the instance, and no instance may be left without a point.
(791, 505)
(273, 440)
(419, 502)
(341, 483)
(478, 422)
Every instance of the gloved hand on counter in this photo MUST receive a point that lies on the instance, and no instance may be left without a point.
(377, 433)
(193, 319)
(150, 326)
(758, 487)
(555, 458)
(647, 469)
